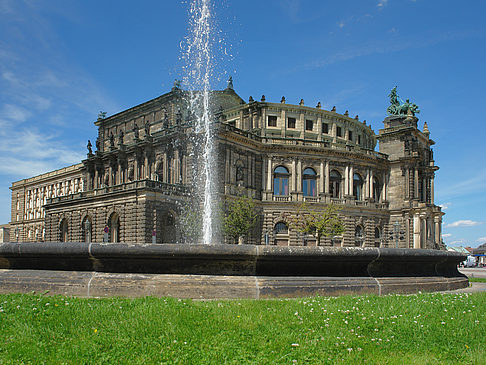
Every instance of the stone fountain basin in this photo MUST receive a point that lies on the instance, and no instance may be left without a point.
(222, 271)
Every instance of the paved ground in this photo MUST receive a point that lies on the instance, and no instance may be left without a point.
(473, 287)
(474, 272)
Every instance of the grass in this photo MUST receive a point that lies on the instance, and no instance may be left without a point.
(477, 280)
(413, 329)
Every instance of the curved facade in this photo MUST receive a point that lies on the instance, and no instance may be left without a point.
(131, 188)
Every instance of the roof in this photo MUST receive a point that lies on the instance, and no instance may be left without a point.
(458, 249)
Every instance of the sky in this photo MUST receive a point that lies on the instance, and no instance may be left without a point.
(63, 61)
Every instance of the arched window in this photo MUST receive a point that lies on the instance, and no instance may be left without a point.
(168, 233)
(376, 189)
(114, 225)
(87, 229)
(281, 181)
(335, 184)
(358, 236)
(281, 234)
(309, 182)
(377, 237)
(159, 171)
(357, 187)
(281, 228)
(63, 230)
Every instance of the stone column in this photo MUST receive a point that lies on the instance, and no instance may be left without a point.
(119, 177)
(165, 173)
(416, 183)
(299, 176)
(264, 176)
(437, 230)
(96, 177)
(424, 190)
(432, 190)
(135, 169)
(372, 186)
(384, 187)
(416, 231)
(407, 183)
(293, 172)
(326, 180)
(346, 180)
(367, 185)
(351, 180)
(110, 177)
(321, 177)
(269, 175)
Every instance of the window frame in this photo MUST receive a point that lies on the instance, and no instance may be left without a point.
(294, 122)
(281, 181)
(309, 182)
(272, 119)
(307, 123)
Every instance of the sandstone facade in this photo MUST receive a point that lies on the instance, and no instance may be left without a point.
(134, 186)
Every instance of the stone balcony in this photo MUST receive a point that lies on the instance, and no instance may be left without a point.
(349, 201)
(164, 188)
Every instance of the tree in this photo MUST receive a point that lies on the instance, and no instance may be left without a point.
(241, 217)
(319, 222)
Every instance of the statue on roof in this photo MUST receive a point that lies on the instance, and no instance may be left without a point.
(403, 108)
(89, 147)
(230, 83)
(177, 84)
(135, 131)
(120, 137)
(101, 115)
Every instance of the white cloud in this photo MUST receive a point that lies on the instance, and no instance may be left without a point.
(445, 206)
(457, 242)
(297, 13)
(29, 153)
(481, 239)
(382, 47)
(463, 223)
(14, 113)
(382, 3)
(446, 235)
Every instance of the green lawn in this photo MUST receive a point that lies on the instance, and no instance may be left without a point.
(477, 280)
(412, 329)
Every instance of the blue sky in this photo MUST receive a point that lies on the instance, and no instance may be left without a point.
(62, 61)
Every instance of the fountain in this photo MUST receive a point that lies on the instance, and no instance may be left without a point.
(198, 57)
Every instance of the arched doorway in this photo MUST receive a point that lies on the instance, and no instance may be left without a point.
(87, 229)
(114, 225)
(63, 230)
(169, 228)
(335, 184)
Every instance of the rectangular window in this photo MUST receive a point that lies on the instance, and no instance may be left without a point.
(291, 123)
(350, 135)
(309, 125)
(325, 128)
(339, 132)
(272, 120)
